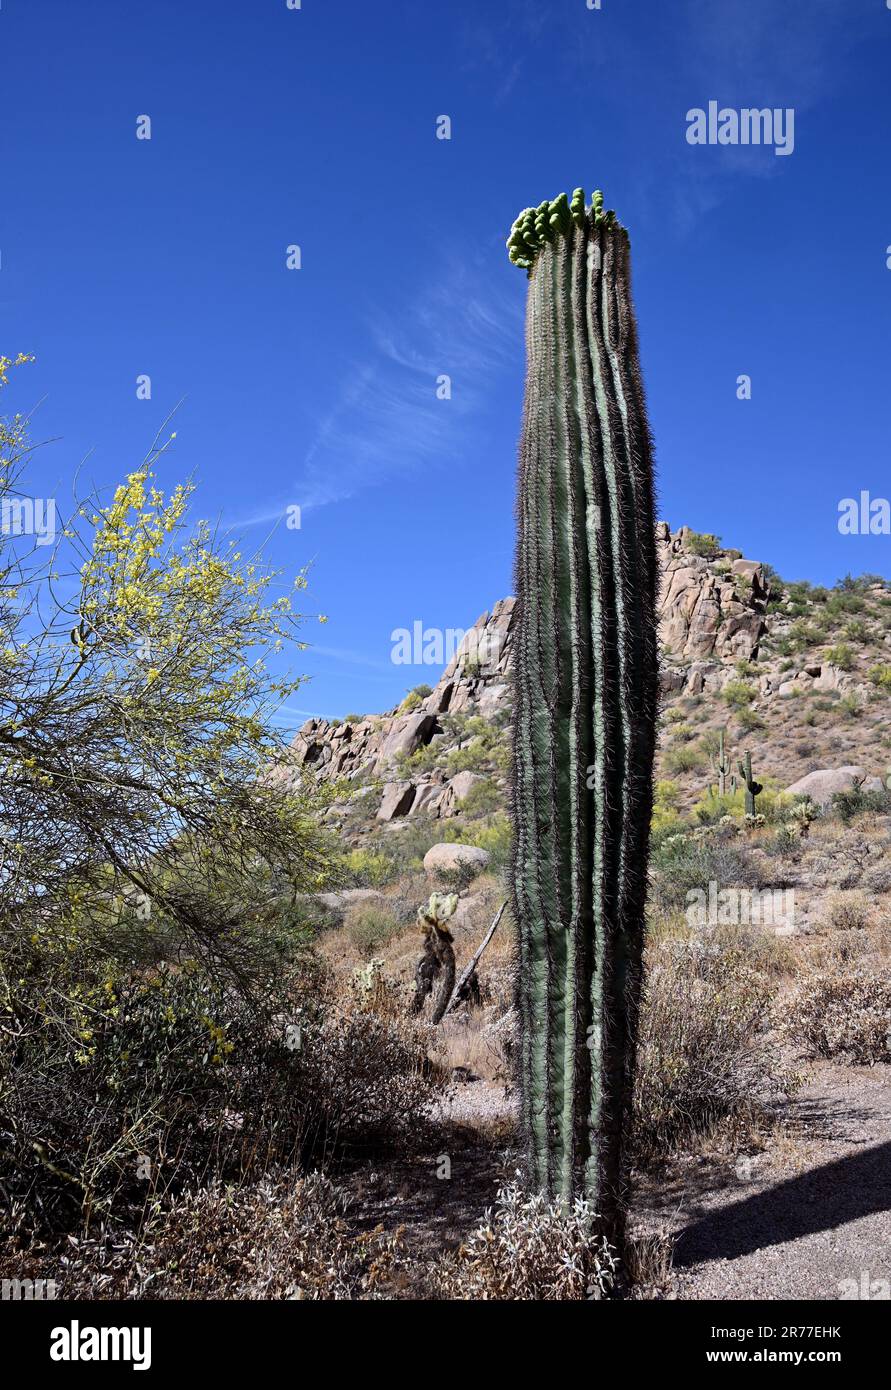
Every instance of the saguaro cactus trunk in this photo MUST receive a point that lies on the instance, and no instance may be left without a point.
(585, 701)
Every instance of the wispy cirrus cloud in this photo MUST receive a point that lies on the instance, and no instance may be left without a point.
(386, 420)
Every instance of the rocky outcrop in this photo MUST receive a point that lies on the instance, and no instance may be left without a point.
(710, 606)
(712, 613)
(475, 681)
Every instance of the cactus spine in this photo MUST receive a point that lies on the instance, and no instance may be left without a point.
(752, 787)
(585, 683)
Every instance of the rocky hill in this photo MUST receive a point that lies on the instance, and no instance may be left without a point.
(739, 647)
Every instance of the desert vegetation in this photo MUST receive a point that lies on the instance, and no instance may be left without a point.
(260, 1036)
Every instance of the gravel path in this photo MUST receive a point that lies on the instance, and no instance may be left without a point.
(811, 1218)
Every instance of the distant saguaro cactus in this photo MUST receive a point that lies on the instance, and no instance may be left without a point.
(585, 679)
(752, 787)
(721, 765)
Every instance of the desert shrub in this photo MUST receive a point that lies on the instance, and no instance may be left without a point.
(423, 759)
(880, 676)
(856, 801)
(841, 655)
(803, 635)
(748, 720)
(665, 806)
(843, 1014)
(850, 706)
(738, 694)
(681, 863)
(494, 836)
(367, 868)
(786, 842)
(840, 605)
(483, 798)
(283, 1237)
(415, 698)
(706, 1056)
(849, 911)
(711, 807)
(119, 1082)
(528, 1248)
(686, 757)
(370, 927)
(703, 543)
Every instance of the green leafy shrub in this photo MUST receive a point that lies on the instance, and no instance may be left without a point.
(494, 836)
(854, 802)
(703, 543)
(367, 868)
(483, 798)
(738, 694)
(683, 862)
(841, 655)
(665, 805)
(686, 757)
(118, 1084)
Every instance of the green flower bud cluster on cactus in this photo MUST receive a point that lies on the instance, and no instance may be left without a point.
(585, 703)
(537, 227)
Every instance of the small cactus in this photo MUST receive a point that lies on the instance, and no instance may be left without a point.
(803, 813)
(752, 787)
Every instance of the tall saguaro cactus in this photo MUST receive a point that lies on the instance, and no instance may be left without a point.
(752, 787)
(585, 701)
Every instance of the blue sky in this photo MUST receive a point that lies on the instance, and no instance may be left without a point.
(317, 387)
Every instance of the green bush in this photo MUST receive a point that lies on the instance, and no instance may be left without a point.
(738, 694)
(119, 1082)
(483, 798)
(367, 868)
(841, 655)
(748, 720)
(371, 926)
(686, 757)
(683, 862)
(703, 543)
(494, 836)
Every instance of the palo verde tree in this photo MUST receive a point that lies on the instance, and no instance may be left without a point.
(585, 701)
(136, 738)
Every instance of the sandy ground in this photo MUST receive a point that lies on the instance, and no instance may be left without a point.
(810, 1218)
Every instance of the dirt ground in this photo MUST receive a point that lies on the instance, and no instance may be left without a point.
(807, 1218)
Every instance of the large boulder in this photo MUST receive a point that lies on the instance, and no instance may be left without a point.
(406, 735)
(397, 800)
(821, 786)
(338, 904)
(448, 858)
